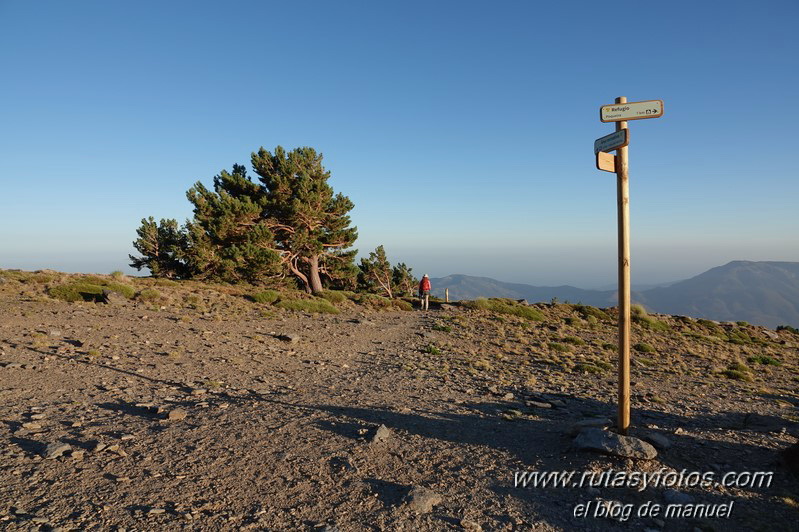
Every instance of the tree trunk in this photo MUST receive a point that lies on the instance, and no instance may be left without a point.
(301, 276)
(316, 282)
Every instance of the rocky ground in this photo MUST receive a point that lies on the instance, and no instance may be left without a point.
(200, 409)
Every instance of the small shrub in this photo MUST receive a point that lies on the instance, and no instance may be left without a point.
(738, 338)
(166, 282)
(764, 359)
(639, 315)
(737, 371)
(402, 305)
(607, 346)
(80, 291)
(506, 306)
(432, 350)
(588, 311)
(334, 296)
(265, 296)
(148, 294)
(555, 346)
(573, 340)
(482, 364)
(644, 348)
(712, 328)
(585, 367)
(377, 302)
(603, 365)
(39, 278)
(119, 276)
(742, 323)
(737, 375)
(308, 305)
(121, 288)
(738, 366)
(788, 328)
(442, 328)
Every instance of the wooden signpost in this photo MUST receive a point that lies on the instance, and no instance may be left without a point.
(621, 112)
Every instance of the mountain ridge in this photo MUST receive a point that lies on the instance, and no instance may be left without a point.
(759, 292)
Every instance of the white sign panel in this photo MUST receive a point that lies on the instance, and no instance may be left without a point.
(613, 141)
(631, 111)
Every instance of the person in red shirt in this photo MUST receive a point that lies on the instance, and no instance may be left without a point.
(424, 292)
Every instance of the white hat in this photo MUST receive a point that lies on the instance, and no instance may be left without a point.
(425, 275)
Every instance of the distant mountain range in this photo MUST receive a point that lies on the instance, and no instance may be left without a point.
(761, 293)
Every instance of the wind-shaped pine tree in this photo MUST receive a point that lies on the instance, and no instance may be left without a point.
(311, 225)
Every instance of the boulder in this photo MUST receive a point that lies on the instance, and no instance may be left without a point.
(56, 449)
(382, 434)
(421, 500)
(598, 440)
(113, 298)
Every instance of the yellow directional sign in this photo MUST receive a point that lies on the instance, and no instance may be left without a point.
(619, 112)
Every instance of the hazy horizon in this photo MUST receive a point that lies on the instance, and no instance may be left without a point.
(534, 279)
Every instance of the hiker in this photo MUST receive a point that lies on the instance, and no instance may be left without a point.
(424, 292)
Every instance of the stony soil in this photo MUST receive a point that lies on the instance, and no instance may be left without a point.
(222, 414)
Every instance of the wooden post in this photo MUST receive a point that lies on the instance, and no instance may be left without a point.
(446, 295)
(623, 199)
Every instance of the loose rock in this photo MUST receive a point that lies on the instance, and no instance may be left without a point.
(382, 434)
(56, 449)
(113, 298)
(290, 338)
(421, 500)
(177, 414)
(602, 441)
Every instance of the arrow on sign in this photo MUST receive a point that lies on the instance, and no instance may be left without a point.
(619, 112)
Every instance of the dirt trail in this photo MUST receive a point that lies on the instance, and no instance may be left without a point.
(177, 420)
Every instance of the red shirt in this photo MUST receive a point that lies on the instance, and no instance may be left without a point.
(425, 284)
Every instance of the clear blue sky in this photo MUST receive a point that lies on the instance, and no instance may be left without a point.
(463, 131)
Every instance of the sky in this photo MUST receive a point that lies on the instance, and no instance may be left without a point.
(462, 131)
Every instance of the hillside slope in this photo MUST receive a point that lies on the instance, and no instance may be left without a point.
(765, 293)
(762, 293)
(466, 287)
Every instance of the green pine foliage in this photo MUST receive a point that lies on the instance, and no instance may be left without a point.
(376, 274)
(405, 284)
(162, 246)
(229, 240)
(311, 225)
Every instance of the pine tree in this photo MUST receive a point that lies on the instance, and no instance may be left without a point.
(310, 224)
(376, 274)
(403, 280)
(229, 239)
(162, 246)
